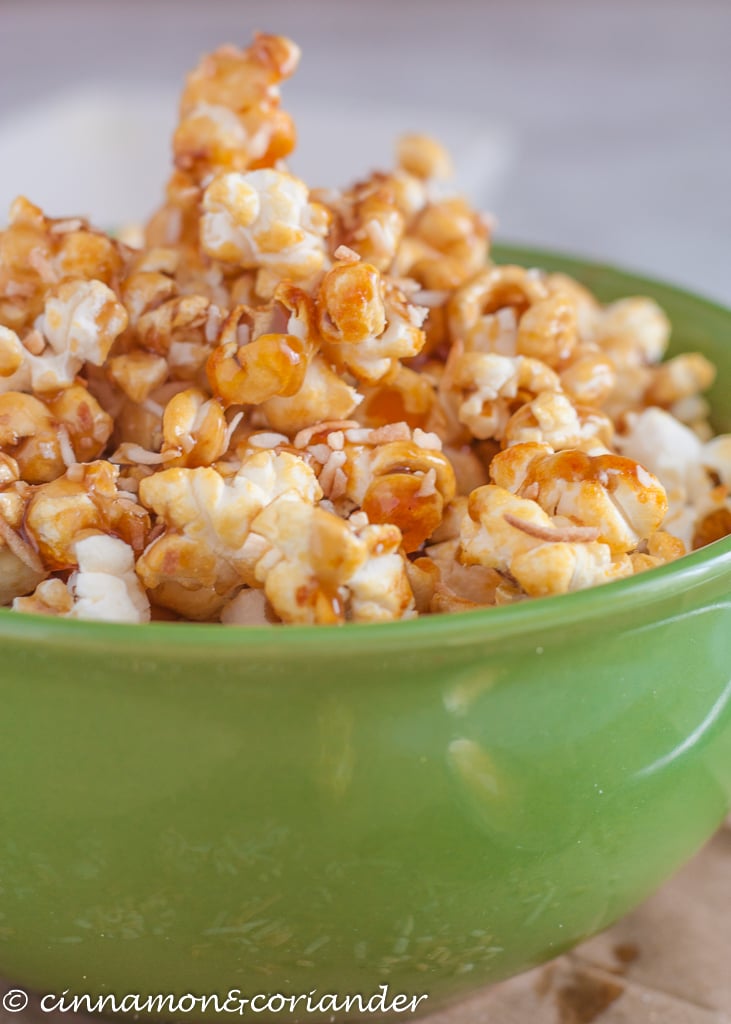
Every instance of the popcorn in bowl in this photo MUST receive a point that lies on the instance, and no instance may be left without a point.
(287, 404)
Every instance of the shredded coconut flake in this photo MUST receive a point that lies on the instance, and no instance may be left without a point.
(129, 453)
(429, 441)
(565, 534)
(428, 484)
(153, 407)
(304, 436)
(346, 254)
(266, 439)
(64, 443)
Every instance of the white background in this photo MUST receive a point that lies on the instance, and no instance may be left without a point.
(599, 126)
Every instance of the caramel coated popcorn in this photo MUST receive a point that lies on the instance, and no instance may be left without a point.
(286, 404)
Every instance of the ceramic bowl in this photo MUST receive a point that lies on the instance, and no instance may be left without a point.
(431, 805)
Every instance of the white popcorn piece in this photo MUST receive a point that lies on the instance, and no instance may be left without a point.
(379, 588)
(263, 220)
(105, 586)
(637, 320)
(552, 419)
(487, 380)
(673, 452)
(666, 447)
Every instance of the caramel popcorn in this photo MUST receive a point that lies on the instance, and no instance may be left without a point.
(366, 322)
(486, 385)
(393, 474)
(264, 221)
(544, 554)
(614, 494)
(85, 498)
(207, 548)
(252, 362)
(285, 404)
(322, 568)
(38, 254)
(229, 109)
(79, 323)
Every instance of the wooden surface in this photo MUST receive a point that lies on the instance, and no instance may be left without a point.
(669, 962)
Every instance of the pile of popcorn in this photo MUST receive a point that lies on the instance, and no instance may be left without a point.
(283, 404)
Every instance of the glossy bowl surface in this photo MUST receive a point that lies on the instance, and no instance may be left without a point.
(431, 805)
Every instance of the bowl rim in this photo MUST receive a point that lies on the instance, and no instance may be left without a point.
(535, 616)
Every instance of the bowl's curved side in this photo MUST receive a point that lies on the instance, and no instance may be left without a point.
(191, 810)
(213, 825)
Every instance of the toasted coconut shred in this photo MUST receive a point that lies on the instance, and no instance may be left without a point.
(567, 534)
(277, 404)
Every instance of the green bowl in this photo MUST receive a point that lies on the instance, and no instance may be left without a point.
(430, 806)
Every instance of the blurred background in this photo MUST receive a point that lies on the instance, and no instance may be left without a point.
(596, 127)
